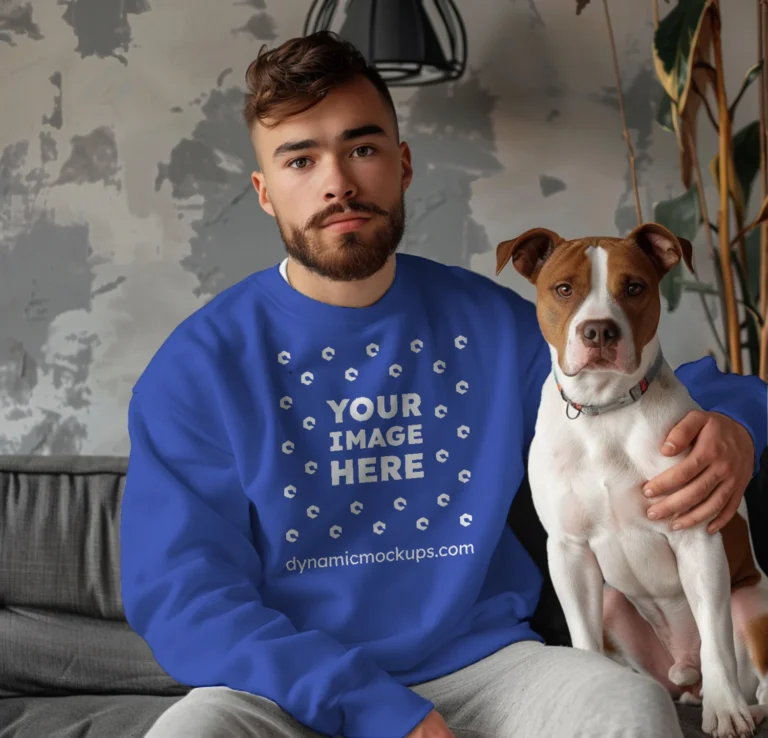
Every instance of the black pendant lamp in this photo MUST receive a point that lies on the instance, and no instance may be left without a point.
(410, 42)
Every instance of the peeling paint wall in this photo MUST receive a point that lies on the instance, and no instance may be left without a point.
(126, 204)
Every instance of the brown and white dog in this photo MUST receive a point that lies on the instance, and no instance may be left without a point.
(686, 607)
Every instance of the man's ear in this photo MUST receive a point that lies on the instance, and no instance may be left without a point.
(257, 180)
(663, 247)
(528, 252)
(406, 165)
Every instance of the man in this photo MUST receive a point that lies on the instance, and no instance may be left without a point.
(323, 458)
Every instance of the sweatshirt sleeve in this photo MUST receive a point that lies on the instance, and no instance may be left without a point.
(190, 574)
(744, 398)
(535, 365)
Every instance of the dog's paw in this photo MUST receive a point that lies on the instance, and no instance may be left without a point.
(762, 692)
(759, 713)
(684, 675)
(689, 698)
(728, 718)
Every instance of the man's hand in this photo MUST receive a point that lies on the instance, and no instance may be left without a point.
(712, 480)
(432, 726)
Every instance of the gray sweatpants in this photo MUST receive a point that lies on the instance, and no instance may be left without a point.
(525, 690)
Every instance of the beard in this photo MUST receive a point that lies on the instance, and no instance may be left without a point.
(345, 257)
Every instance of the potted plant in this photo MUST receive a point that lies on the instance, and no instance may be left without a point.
(688, 59)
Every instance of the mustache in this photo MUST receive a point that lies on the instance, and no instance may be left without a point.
(316, 221)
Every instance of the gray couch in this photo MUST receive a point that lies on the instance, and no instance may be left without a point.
(70, 666)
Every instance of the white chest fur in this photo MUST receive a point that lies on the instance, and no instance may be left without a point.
(587, 475)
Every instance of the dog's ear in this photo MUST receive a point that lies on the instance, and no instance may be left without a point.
(528, 252)
(663, 247)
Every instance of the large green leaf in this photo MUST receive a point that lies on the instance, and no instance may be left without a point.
(746, 157)
(682, 216)
(746, 165)
(752, 74)
(664, 112)
(672, 287)
(580, 5)
(675, 44)
(690, 286)
(753, 264)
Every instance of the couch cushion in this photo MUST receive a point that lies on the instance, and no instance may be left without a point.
(63, 629)
(49, 653)
(59, 533)
(80, 717)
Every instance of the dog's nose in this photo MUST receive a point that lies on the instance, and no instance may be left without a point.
(600, 333)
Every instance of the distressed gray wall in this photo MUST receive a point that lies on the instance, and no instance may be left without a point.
(125, 201)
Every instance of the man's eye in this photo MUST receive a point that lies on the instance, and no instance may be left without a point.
(300, 160)
(362, 148)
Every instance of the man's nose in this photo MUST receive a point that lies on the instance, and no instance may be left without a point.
(339, 186)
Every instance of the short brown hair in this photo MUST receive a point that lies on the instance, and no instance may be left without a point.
(299, 73)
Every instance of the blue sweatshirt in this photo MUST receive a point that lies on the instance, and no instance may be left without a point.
(316, 500)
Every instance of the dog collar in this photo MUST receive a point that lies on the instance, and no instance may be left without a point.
(633, 395)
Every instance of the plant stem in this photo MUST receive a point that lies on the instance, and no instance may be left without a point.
(709, 69)
(740, 240)
(752, 321)
(623, 115)
(763, 279)
(710, 242)
(724, 121)
(742, 233)
(704, 100)
(702, 288)
(655, 5)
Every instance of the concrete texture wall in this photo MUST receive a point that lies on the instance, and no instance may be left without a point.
(125, 200)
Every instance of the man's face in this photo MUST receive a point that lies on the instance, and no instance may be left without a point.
(338, 161)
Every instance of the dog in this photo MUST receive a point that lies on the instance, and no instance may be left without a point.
(686, 607)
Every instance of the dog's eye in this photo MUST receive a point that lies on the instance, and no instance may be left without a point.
(635, 288)
(564, 290)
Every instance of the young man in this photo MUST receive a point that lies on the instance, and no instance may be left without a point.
(323, 458)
